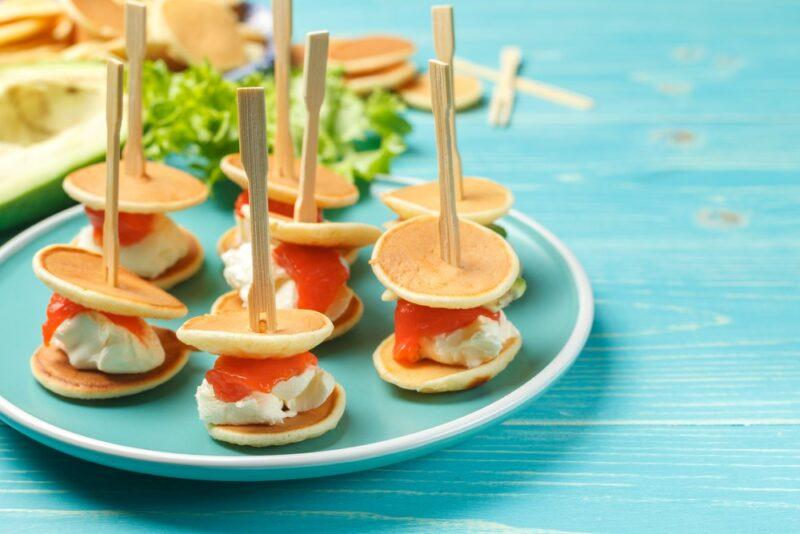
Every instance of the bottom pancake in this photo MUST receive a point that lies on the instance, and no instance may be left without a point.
(181, 270)
(303, 426)
(185, 267)
(51, 368)
(232, 239)
(467, 92)
(428, 376)
(355, 310)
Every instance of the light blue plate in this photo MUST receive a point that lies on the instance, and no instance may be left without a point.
(158, 432)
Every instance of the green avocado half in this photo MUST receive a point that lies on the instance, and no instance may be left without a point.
(52, 121)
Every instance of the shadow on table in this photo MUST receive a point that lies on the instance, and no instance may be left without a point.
(469, 480)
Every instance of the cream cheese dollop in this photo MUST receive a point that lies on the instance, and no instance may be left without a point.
(238, 272)
(475, 344)
(287, 398)
(157, 252)
(92, 341)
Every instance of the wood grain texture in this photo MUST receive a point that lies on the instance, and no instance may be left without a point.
(135, 49)
(442, 106)
(253, 147)
(679, 194)
(314, 69)
(114, 72)
(282, 36)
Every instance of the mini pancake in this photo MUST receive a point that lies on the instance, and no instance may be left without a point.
(181, 270)
(369, 53)
(11, 10)
(229, 240)
(467, 91)
(484, 200)
(185, 267)
(388, 78)
(232, 239)
(101, 18)
(406, 261)
(51, 368)
(161, 189)
(303, 426)
(324, 234)
(428, 376)
(199, 30)
(21, 30)
(230, 302)
(229, 334)
(332, 190)
(78, 275)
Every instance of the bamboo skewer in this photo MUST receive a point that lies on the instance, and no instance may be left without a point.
(444, 44)
(316, 62)
(502, 102)
(111, 214)
(442, 101)
(135, 45)
(282, 38)
(253, 148)
(535, 88)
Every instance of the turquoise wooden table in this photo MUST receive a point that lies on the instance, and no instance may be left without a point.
(679, 194)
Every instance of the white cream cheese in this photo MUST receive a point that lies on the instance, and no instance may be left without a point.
(298, 394)
(471, 346)
(158, 251)
(92, 341)
(238, 272)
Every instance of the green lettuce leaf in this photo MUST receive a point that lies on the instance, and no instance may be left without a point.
(191, 116)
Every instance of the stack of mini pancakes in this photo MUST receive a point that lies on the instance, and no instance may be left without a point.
(370, 62)
(181, 32)
(77, 278)
(161, 189)
(282, 352)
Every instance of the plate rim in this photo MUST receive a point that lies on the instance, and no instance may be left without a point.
(398, 445)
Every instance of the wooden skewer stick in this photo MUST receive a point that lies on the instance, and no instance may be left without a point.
(316, 61)
(542, 90)
(502, 102)
(444, 43)
(282, 38)
(253, 147)
(442, 93)
(135, 44)
(111, 215)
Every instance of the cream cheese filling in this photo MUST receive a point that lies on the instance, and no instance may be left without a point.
(287, 398)
(92, 341)
(475, 344)
(238, 273)
(158, 251)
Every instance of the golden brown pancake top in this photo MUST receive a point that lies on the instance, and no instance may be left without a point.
(162, 188)
(289, 322)
(85, 269)
(464, 88)
(409, 256)
(102, 14)
(328, 183)
(368, 46)
(480, 194)
(206, 30)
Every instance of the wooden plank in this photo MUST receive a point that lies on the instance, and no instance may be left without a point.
(679, 194)
(611, 479)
